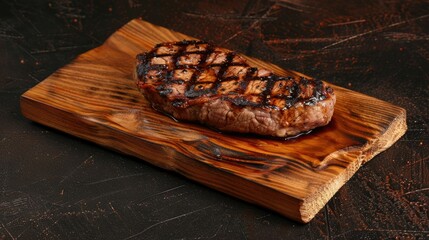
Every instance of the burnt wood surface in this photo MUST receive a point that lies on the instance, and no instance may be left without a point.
(57, 186)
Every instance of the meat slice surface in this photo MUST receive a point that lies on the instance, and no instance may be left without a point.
(196, 81)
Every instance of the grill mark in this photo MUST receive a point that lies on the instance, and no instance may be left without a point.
(177, 56)
(222, 70)
(166, 73)
(294, 94)
(272, 79)
(190, 92)
(249, 75)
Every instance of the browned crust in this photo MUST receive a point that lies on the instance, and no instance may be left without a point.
(310, 102)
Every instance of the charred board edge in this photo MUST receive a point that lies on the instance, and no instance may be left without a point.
(364, 154)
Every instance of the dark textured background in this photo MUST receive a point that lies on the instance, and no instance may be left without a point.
(55, 186)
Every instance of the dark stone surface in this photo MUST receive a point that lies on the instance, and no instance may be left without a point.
(55, 186)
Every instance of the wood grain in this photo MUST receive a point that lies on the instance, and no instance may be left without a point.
(95, 98)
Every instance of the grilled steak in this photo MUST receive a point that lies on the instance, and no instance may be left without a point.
(195, 81)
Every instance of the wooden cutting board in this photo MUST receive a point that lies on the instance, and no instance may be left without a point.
(95, 98)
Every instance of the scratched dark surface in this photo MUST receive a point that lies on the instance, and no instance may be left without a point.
(54, 186)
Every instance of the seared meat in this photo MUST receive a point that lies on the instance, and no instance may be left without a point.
(195, 81)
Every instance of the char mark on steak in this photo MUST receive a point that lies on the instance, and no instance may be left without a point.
(196, 81)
